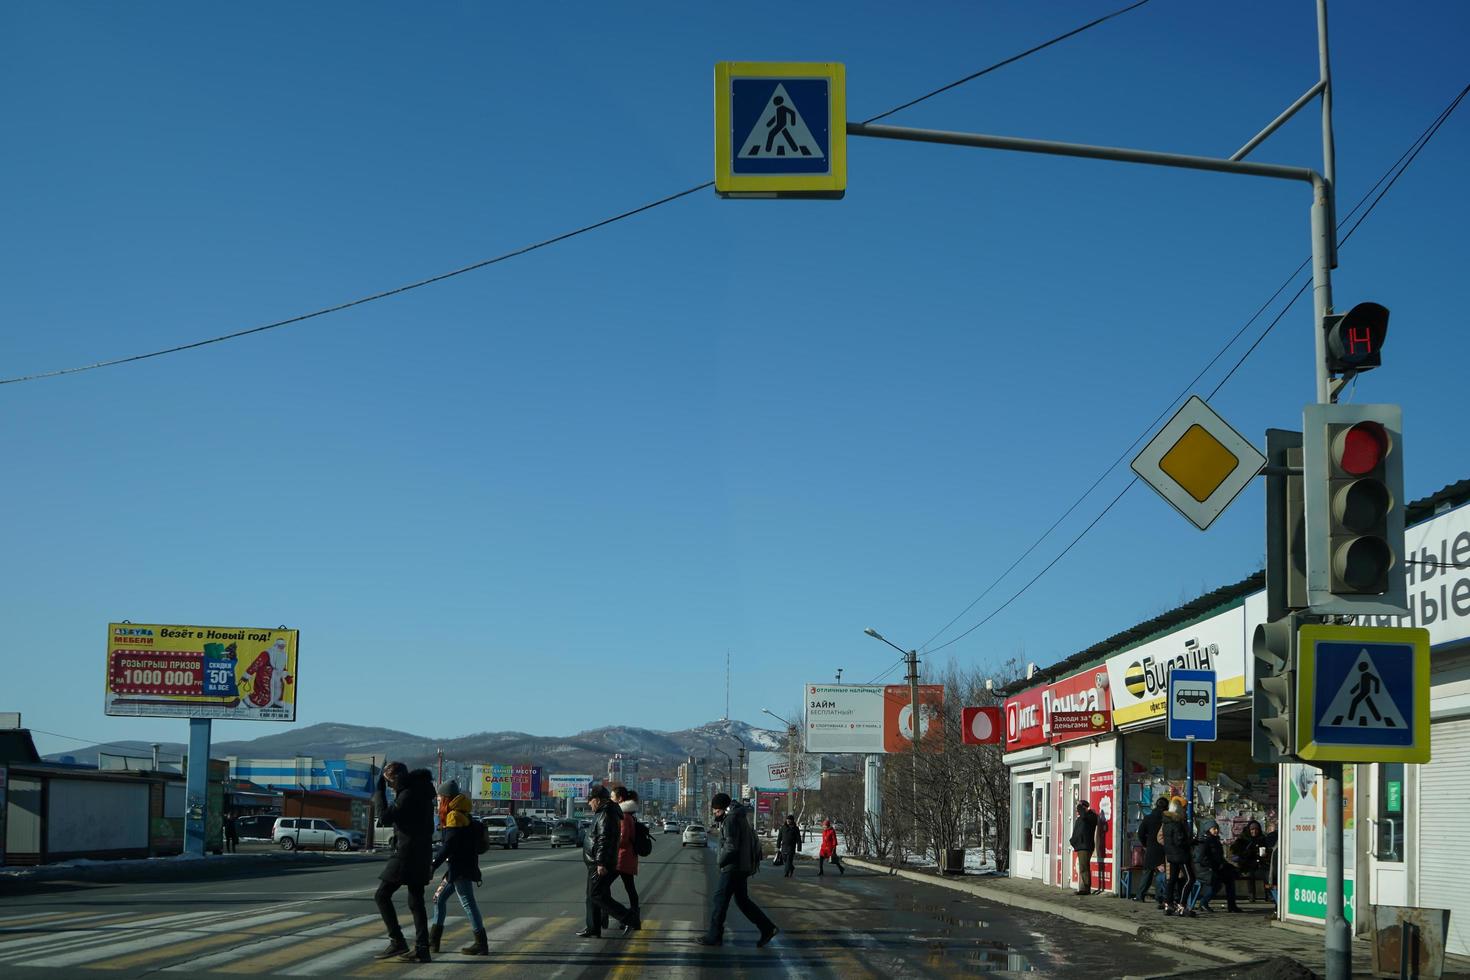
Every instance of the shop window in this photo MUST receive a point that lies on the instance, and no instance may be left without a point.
(1390, 827)
(1028, 817)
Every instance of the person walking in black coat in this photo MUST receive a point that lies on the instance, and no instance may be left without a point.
(1153, 851)
(739, 857)
(1084, 837)
(1214, 871)
(787, 841)
(460, 850)
(232, 833)
(1178, 843)
(411, 816)
(600, 852)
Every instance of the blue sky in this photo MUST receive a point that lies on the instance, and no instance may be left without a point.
(551, 494)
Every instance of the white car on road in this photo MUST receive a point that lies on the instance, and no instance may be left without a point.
(293, 832)
(694, 834)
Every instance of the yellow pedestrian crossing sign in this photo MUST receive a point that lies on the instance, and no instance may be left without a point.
(780, 129)
(1363, 694)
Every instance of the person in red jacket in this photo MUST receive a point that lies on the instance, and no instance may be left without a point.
(627, 800)
(829, 850)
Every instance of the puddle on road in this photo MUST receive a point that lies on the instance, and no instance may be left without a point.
(970, 955)
(978, 956)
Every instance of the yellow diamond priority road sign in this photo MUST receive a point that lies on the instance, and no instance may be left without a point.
(1198, 463)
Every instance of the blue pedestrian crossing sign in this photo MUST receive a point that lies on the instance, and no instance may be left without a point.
(1363, 694)
(780, 129)
(1191, 707)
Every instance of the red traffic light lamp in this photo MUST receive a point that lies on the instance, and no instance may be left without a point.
(1354, 485)
(1355, 338)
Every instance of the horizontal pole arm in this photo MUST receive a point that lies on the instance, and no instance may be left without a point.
(1278, 122)
(1053, 148)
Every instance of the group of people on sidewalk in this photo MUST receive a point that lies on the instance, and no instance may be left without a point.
(1175, 857)
(610, 849)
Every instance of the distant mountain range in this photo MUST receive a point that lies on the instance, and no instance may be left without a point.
(656, 752)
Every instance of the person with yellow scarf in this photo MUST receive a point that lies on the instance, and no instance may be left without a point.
(459, 849)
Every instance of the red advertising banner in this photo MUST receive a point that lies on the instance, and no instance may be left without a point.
(1082, 696)
(1023, 720)
(898, 725)
(1100, 798)
(982, 726)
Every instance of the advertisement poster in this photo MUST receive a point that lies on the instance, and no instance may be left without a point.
(768, 771)
(844, 718)
(230, 673)
(1100, 798)
(1306, 896)
(1301, 815)
(506, 783)
(898, 706)
(1138, 679)
(570, 786)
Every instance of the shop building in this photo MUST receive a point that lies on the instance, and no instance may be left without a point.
(1402, 823)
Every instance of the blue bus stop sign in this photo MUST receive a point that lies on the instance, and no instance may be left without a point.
(1191, 707)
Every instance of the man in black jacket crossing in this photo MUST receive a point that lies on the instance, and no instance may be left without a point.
(600, 852)
(739, 857)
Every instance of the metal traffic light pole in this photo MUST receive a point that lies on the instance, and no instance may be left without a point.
(1324, 260)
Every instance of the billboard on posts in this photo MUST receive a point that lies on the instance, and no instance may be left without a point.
(844, 718)
(570, 787)
(506, 783)
(898, 716)
(768, 771)
(226, 672)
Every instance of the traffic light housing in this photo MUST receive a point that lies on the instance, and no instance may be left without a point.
(1355, 338)
(1273, 695)
(1353, 476)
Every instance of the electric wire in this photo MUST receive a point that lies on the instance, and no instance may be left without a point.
(515, 253)
(163, 757)
(1382, 186)
(1011, 60)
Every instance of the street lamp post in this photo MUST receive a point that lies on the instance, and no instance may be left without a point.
(791, 733)
(729, 769)
(911, 657)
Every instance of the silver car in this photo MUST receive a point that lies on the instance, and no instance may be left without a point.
(313, 832)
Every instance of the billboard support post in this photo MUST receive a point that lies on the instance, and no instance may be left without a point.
(196, 788)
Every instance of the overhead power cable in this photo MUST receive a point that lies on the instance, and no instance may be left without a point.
(1008, 61)
(163, 756)
(1380, 188)
(515, 253)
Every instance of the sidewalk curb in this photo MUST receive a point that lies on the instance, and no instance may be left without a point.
(1162, 937)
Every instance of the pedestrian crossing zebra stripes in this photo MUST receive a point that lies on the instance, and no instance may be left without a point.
(301, 939)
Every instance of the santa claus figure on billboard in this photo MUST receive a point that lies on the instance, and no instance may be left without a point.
(267, 677)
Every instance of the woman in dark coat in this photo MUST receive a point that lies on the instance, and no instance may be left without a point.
(1153, 851)
(411, 815)
(1214, 871)
(787, 841)
(460, 850)
(1177, 845)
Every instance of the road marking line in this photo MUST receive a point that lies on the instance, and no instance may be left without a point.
(198, 944)
(97, 952)
(255, 956)
(344, 936)
(45, 918)
(67, 937)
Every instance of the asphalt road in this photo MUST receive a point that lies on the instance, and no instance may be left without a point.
(319, 920)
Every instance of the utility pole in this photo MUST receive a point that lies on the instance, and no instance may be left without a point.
(791, 734)
(440, 753)
(913, 658)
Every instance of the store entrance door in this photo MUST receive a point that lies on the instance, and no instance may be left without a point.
(1031, 828)
(1067, 812)
(1388, 803)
